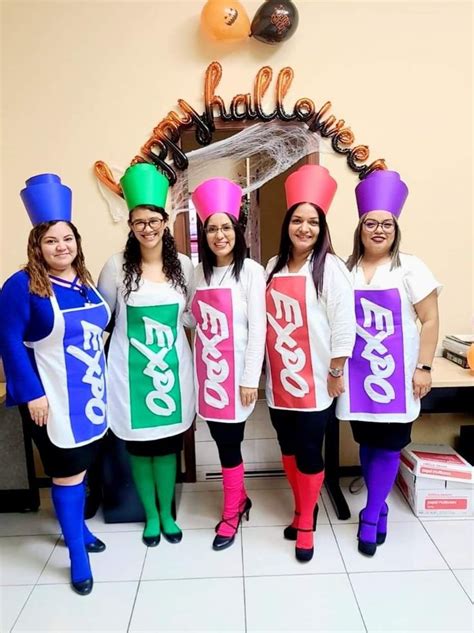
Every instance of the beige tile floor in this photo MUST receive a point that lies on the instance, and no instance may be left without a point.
(421, 579)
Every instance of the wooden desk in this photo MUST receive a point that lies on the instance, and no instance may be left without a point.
(452, 391)
(448, 374)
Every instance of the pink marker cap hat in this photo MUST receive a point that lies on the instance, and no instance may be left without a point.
(382, 190)
(217, 195)
(310, 183)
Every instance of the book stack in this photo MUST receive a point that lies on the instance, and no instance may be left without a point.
(455, 348)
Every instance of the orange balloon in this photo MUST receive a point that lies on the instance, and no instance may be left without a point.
(225, 20)
(470, 357)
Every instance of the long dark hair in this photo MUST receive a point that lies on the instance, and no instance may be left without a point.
(36, 267)
(321, 248)
(132, 258)
(209, 259)
(358, 249)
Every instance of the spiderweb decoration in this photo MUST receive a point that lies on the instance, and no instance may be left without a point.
(269, 148)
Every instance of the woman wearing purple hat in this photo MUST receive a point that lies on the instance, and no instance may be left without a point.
(229, 308)
(389, 371)
(52, 319)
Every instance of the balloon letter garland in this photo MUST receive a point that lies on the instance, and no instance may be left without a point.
(164, 141)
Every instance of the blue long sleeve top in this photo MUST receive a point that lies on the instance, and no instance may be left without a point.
(25, 317)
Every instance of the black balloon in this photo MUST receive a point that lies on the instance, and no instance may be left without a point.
(275, 21)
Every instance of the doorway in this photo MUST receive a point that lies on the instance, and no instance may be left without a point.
(266, 209)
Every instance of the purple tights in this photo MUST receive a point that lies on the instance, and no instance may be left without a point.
(379, 468)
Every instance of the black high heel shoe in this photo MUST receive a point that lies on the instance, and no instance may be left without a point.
(246, 509)
(95, 547)
(290, 532)
(303, 554)
(223, 542)
(365, 547)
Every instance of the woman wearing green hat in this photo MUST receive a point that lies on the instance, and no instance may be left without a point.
(150, 381)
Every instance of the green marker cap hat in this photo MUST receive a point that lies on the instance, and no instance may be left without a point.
(144, 184)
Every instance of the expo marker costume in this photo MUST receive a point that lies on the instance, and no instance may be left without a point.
(151, 392)
(378, 399)
(53, 352)
(228, 351)
(151, 400)
(305, 331)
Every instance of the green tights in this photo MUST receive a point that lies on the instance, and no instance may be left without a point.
(156, 477)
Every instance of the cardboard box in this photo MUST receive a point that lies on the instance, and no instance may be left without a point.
(436, 494)
(437, 461)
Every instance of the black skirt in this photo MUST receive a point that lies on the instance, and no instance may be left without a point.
(59, 462)
(156, 448)
(392, 436)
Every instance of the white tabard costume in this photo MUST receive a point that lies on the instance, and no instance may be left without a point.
(150, 380)
(230, 339)
(379, 376)
(304, 333)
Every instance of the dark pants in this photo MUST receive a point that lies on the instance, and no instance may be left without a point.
(228, 436)
(301, 433)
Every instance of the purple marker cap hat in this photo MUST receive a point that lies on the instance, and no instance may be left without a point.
(46, 199)
(382, 190)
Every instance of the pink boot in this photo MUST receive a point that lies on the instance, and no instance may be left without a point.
(233, 482)
(309, 487)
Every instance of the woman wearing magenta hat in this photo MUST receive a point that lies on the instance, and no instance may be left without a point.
(151, 394)
(52, 319)
(390, 368)
(310, 334)
(229, 308)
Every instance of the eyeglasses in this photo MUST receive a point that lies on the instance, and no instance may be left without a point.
(388, 226)
(140, 225)
(227, 229)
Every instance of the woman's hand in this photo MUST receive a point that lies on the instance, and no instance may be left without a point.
(38, 409)
(421, 383)
(335, 386)
(248, 396)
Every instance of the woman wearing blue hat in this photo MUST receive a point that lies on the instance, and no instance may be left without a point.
(52, 319)
(151, 392)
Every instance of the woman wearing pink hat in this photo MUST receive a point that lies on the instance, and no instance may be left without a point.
(229, 308)
(390, 368)
(310, 334)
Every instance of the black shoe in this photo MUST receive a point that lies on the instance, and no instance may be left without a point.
(222, 542)
(246, 509)
(381, 536)
(290, 532)
(365, 547)
(95, 547)
(83, 587)
(304, 555)
(175, 537)
(151, 541)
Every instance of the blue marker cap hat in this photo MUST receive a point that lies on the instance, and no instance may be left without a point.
(46, 199)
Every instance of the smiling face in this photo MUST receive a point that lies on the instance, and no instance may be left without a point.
(147, 226)
(59, 248)
(220, 235)
(378, 233)
(303, 229)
